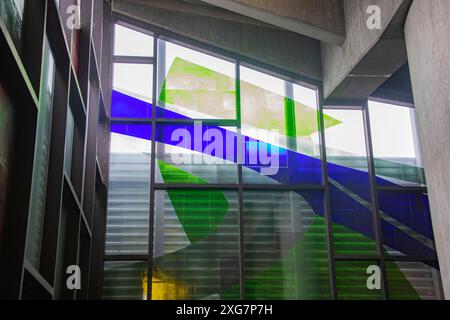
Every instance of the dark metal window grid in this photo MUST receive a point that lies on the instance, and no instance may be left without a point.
(158, 33)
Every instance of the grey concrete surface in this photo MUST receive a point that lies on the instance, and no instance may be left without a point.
(345, 71)
(428, 45)
(318, 19)
(285, 50)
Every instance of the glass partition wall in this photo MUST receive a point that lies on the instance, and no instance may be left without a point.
(228, 181)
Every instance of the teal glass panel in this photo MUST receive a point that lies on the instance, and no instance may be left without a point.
(41, 159)
(11, 14)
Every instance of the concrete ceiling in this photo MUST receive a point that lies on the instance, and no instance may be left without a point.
(324, 40)
(319, 19)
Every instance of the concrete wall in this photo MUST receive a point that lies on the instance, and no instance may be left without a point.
(428, 45)
(319, 19)
(286, 50)
(340, 61)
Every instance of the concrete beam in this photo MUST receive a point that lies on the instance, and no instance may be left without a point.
(428, 46)
(282, 49)
(368, 57)
(202, 9)
(319, 19)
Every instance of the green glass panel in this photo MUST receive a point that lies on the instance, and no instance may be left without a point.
(351, 281)
(413, 281)
(195, 84)
(286, 253)
(196, 244)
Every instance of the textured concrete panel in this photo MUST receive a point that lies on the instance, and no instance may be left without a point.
(339, 62)
(285, 50)
(428, 45)
(319, 19)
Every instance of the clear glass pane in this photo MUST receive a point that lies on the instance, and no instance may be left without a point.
(395, 145)
(196, 245)
(413, 281)
(129, 190)
(350, 196)
(286, 253)
(125, 280)
(135, 80)
(129, 42)
(194, 85)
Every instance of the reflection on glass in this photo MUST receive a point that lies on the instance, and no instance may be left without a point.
(195, 84)
(196, 244)
(129, 190)
(285, 246)
(129, 42)
(39, 183)
(395, 144)
(135, 80)
(125, 280)
(11, 14)
(68, 148)
(352, 279)
(350, 196)
(413, 281)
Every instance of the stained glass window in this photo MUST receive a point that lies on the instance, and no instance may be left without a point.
(240, 202)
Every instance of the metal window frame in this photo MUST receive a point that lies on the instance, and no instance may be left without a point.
(159, 33)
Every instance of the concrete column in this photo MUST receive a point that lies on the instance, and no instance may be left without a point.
(428, 45)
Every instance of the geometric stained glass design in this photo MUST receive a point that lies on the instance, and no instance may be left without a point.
(196, 230)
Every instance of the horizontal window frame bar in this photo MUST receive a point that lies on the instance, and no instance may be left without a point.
(174, 37)
(125, 257)
(400, 189)
(343, 107)
(235, 187)
(346, 257)
(133, 60)
(166, 121)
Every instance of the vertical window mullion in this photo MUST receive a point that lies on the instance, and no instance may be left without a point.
(374, 196)
(152, 171)
(240, 160)
(327, 202)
